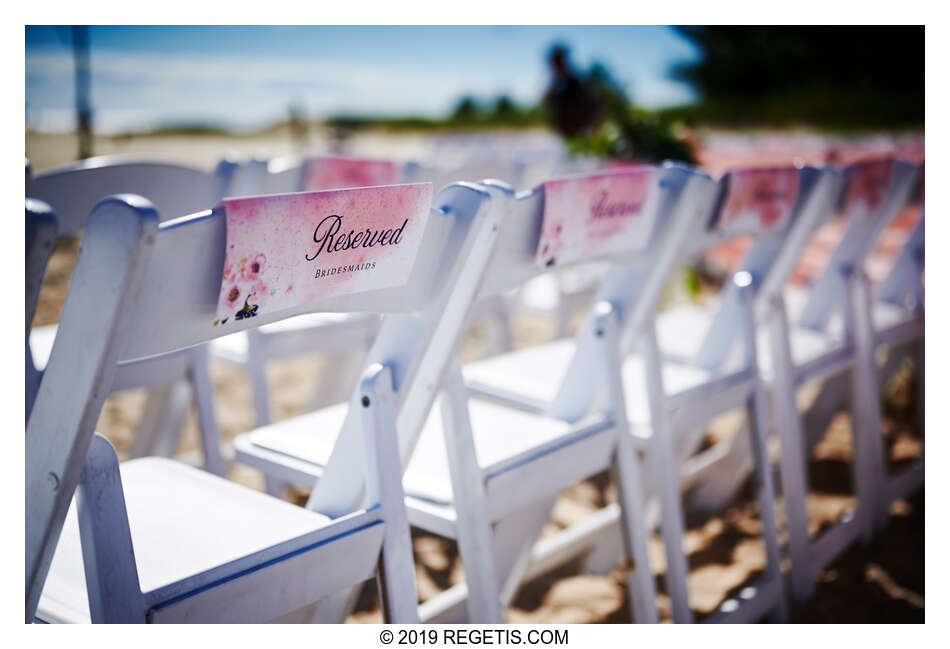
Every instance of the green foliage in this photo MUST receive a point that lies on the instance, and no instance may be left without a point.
(466, 110)
(192, 129)
(627, 132)
(468, 114)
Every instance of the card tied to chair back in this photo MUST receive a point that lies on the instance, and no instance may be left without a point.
(758, 199)
(287, 250)
(327, 172)
(596, 215)
(867, 184)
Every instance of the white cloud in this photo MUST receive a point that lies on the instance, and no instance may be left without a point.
(135, 89)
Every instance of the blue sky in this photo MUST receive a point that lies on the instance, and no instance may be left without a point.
(247, 77)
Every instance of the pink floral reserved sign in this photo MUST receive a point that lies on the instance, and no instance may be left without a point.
(868, 183)
(758, 198)
(292, 249)
(596, 214)
(338, 173)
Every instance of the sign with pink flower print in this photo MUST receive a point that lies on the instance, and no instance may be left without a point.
(287, 250)
(329, 172)
(868, 183)
(596, 215)
(758, 199)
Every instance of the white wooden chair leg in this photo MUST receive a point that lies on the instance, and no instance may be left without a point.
(759, 434)
(562, 315)
(504, 336)
(257, 376)
(204, 407)
(396, 576)
(474, 527)
(766, 500)
(112, 581)
(168, 427)
(792, 456)
(328, 387)
(666, 477)
(156, 405)
(625, 470)
(869, 468)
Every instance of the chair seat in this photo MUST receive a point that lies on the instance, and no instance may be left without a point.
(681, 331)
(533, 372)
(186, 524)
(536, 373)
(500, 433)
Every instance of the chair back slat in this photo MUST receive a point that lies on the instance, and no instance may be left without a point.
(577, 205)
(175, 190)
(184, 279)
(335, 172)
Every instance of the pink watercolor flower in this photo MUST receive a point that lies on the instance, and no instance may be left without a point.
(250, 270)
(231, 301)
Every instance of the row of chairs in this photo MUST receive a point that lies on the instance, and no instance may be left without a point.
(177, 189)
(627, 394)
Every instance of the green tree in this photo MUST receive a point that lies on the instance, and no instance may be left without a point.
(505, 110)
(466, 110)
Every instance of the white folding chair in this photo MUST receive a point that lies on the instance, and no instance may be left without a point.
(895, 320)
(715, 475)
(893, 326)
(71, 192)
(488, 474)
(897, 313)
(833, 333)
(712, 373)
(818, 352)
(207, 549)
